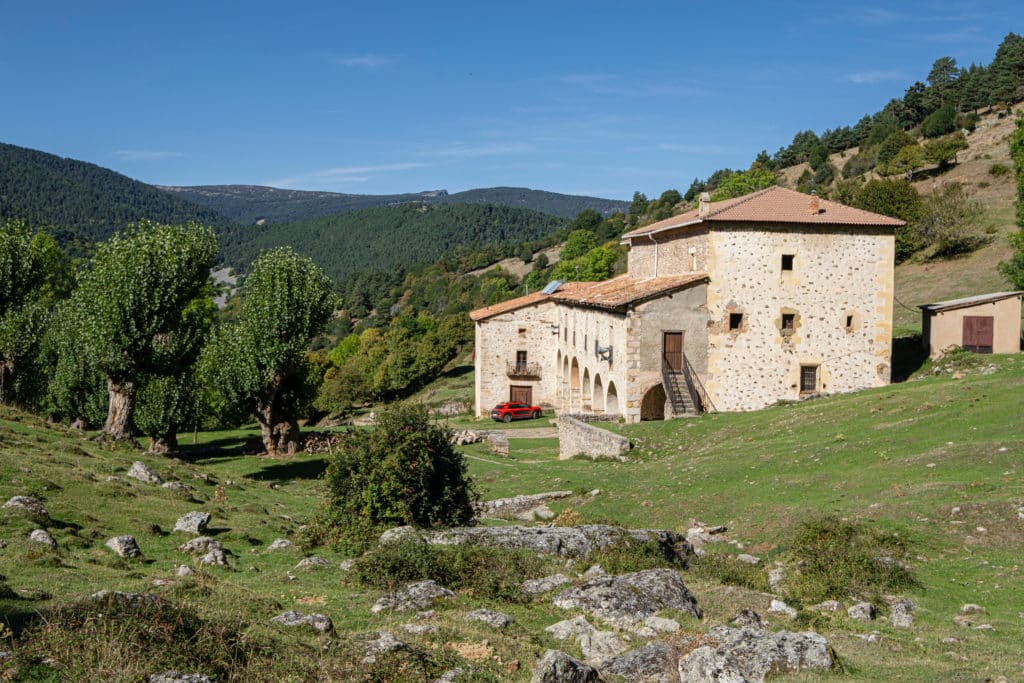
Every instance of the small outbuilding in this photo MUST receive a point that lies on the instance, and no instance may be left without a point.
(986, 323)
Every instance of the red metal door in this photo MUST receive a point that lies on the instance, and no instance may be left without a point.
(673, 351)
(978, 333)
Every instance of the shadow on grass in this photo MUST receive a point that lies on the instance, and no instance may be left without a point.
(300, 469)
(218, 448)
(907, 357)
(458, 371)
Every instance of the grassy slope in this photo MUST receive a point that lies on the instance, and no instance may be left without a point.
(865, 455)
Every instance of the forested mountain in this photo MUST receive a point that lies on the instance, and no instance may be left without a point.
(248, 204)
(83, 201)
(393, 237)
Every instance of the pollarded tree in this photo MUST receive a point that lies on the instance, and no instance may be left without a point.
(258, 364)
(33, 273)
(134, 304)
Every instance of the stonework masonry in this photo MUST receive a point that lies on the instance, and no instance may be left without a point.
(579, 438)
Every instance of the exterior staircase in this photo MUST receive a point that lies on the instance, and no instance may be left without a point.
(678, 393)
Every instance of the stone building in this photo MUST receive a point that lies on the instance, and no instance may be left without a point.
(731, 306)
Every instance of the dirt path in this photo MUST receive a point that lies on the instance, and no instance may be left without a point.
(530, 433)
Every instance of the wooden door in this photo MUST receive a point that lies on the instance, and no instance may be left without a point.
(521, 395)
(672, 349)
(978, 333)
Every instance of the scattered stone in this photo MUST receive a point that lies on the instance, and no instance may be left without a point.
(518, 507)
(144, 473)
(572, 541)
(543, 585)
(419, 629)
(569, 628)
(984, 627)
(184, 570)
(312, 562)
(176, 486)
(747, 618)
(780, 607)
(194, 522)
(626, 600)
(862, 612)
(29, 504)
(425, 615)
(950, 640)
(543, 514)
(596, 570)
(280, 544)
(467, 437)
(124, 546)
(200, 545)
(163, 582)
(749, 654)
(346, 565)
(777, 578)
(870, 638)
(214, 556)
(120, 599)
(828, 607)
(383, 644)
(748, 559)
(450, 676)
(419, 595)
(901, 612)
(490, 617)
(3, 544)
(598, 646)
(971, 608)
(558, 667)
(178, 677)
(43, 537)
(655, 662)
(318, 622)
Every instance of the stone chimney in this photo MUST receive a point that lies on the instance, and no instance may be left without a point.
(814, 206)
(704, 205)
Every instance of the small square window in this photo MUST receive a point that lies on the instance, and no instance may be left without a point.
(788, 322)
(787, 262)
(735, 321)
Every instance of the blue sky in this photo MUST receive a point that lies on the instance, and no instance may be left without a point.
(599, 98)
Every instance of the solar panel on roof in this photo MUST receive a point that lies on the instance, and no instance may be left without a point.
(552, 287)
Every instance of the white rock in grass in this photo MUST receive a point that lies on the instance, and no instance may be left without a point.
(29, 504)
(318, 622)
(144, 473)
(194, 522)
(124, 546)
(42, 536)
(280, 544)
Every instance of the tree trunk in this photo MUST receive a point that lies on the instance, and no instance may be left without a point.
(162, 445)
(280, 436)
(6, 381)
(119, 415)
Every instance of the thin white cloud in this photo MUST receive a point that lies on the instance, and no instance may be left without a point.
(869, 77)
(367, 61)
(463, 151)
(343, 174)
(874, 16)
(145, 155)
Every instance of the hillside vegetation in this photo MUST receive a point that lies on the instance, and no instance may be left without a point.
(82, 201)
(391, 238)
(248, 204)
(936, 461)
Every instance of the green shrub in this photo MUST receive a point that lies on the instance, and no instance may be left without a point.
(838, 559)
(403, 471)
(724, 568)
(634, 556)
(859, 164)
(998, 170)
(939, 122)
(488, 572)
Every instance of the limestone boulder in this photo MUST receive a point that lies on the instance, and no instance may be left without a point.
(626, 600)
(656, 662)
(544, 584)
(124, 546)
(194, 522)
(29, 505)
(491, 618)
(901, 612)
(144, 473)
(558, 667)
(122, 599)
(318, 622)
(749, 654)
(862, 612)
(43, 537)
(384, 643)
(415, 596)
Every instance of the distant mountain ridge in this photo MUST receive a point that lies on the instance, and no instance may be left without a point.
(83, 201)
(249, 204)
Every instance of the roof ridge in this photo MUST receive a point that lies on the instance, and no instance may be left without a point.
(742, 200)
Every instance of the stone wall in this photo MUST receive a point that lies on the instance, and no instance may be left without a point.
(839, 291)
(670, 253)
(579, 438)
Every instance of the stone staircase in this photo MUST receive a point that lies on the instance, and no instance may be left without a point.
(678, 393)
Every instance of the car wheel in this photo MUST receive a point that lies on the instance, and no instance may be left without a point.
(535, 414)
(507, 418)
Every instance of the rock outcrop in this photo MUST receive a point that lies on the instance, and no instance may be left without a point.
(415, 596)
(558, 667)
(194, 522)
(626, 600)
(318, 622)
(144, 473)
(749, 654)
(124, 546)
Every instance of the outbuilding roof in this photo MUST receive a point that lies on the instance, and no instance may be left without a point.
(969, 301)
(614, 294)
(771, 205)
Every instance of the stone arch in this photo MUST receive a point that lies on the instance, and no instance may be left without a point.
(574, 374)
(586, 383)
(565, 369)
(652, 407)
(598, 404)
(611, 400)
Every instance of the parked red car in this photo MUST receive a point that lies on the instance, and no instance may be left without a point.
(506, 412)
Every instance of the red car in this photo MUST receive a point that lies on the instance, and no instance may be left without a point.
(506, 412)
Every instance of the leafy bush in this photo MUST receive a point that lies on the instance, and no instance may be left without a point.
(724, 568)
(489, 572)
(896, 198)
(402, 471)
(859, 164)
(622, 558)
(950, 220)
(939, 122)
(839, 559)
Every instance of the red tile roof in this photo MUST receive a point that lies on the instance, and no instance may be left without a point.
(772, 205)
(616, 293)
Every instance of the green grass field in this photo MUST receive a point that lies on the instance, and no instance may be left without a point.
(899, 458)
